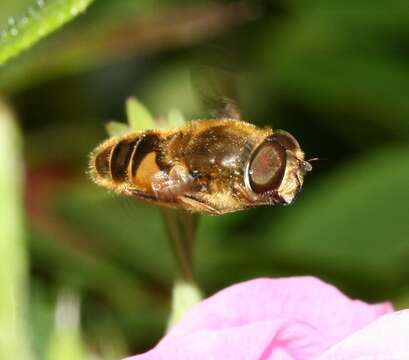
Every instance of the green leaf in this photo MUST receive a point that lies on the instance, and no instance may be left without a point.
(139, 118)
(44, 17)
(175, 118)
(115, 128)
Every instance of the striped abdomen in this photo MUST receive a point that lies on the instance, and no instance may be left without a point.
(133, 160)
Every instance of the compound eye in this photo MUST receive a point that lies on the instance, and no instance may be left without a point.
(267, 167)
(286, 140)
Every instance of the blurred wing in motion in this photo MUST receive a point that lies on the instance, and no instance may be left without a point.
(217, 88)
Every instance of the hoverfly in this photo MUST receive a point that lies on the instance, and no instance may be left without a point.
(210, 166)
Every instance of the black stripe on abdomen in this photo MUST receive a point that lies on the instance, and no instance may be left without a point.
(121, 155)
(147, 144)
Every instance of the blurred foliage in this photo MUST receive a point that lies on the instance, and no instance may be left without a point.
(13, 281)
(335, 75)
(66, 344)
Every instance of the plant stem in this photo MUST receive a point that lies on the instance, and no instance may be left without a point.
(181, 228)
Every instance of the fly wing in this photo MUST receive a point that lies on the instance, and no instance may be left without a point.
(217, 88)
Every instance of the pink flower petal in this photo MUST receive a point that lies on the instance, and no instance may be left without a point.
(384, 339)
(305, 299)
(266, 319)
(274, 339)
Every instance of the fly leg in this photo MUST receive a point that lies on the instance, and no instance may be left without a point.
(168, 186)
(194, 205)
(244, 194)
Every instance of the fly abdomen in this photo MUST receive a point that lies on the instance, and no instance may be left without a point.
(112, 161)
(134, 159)
(121, 154)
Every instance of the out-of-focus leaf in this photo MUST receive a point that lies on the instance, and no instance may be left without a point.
(13, 267)
(139, 118)
(175, 118)
(39, 20)
(115, 128)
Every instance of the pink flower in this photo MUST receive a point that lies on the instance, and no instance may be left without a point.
(281, 319)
